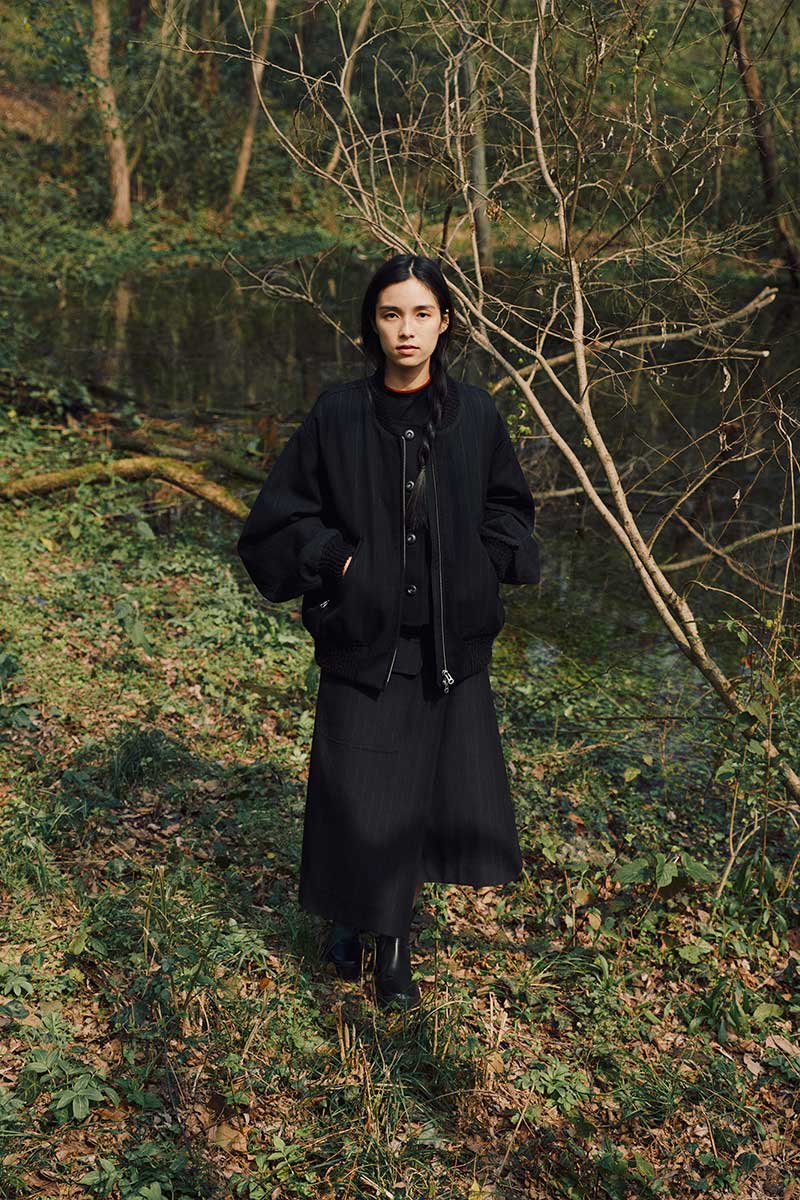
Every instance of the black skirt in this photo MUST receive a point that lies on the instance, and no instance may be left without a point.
(404, 786)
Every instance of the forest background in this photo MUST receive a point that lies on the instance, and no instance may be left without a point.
(193, 195)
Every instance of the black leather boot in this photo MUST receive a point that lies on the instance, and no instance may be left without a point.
(393, 982)
(343, 948)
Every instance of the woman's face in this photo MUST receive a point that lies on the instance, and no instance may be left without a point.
(408, 322)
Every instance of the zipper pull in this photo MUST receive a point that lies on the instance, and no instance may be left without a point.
(447, 679)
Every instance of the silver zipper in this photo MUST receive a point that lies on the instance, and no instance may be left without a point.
(447, 678)
(400, 609)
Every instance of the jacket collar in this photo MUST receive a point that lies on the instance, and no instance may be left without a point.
(451, 408)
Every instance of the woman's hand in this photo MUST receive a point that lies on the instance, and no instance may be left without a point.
(346, 565)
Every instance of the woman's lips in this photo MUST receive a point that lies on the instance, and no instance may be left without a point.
(408, 349)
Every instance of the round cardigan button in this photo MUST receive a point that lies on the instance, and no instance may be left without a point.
(411, 589)
(412, 537)
(409, 433)
(409, 484)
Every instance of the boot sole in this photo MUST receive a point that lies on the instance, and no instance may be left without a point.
(401, 999)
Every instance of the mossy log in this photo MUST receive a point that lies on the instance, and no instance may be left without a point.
(232, 464)
(169, 470)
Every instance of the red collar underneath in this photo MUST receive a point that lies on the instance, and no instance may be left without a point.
(406, 391)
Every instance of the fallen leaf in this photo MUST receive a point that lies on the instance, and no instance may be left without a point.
(776, 1041)
(227, 1137)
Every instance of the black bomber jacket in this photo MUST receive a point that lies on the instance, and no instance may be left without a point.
(341, 478)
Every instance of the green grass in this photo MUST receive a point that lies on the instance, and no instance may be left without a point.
(601, 1028)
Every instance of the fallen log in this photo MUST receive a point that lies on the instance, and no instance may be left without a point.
(212, 453)
(168, 470)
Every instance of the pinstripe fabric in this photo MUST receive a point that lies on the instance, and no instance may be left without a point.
(404, 785)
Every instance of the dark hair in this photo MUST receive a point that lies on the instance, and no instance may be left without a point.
(427, 271)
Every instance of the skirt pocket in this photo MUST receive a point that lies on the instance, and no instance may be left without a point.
(357, 716)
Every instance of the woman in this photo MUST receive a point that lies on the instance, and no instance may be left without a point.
(395, 510)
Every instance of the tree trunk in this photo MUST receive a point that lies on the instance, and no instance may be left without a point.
(113, 358)
(136, 15)
(246, 148)
(477, 168)
(762, 131)
(209, 58)
(106, 100)
(306, 26)
(347, 79)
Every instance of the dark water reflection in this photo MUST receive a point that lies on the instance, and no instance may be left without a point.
(195, 344)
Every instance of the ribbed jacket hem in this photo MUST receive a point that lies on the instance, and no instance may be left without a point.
(350, 661)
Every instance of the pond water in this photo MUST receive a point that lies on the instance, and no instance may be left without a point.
(198, 343)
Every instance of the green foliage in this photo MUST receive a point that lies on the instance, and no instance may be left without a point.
(728, 1006)
(12, 1110)
(15, 979)
(40, 394)
(153, 1170)
(562, 1083)
(73, 1089)
(17, 710)
(662, 872)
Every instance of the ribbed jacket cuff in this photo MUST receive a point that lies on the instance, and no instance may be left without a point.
(335, 554)
(500, 553)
